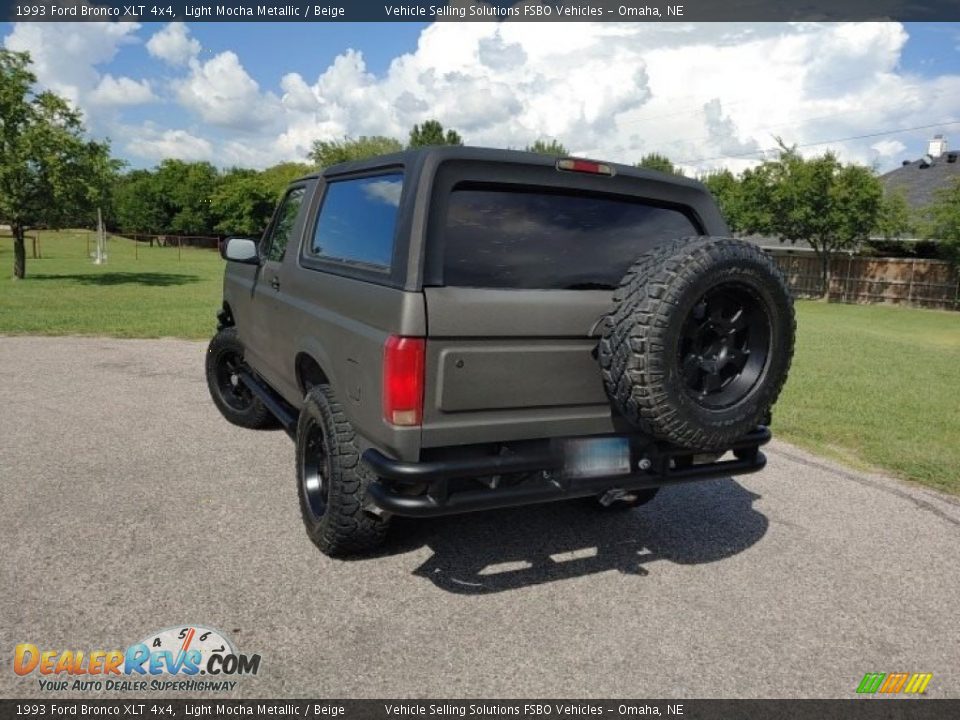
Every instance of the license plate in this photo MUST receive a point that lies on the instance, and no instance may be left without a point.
(596, 457)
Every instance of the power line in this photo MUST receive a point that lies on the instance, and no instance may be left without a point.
(823, 142)
(706, 138)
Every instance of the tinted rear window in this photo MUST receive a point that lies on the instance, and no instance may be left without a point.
(358, 220)
(498, 238)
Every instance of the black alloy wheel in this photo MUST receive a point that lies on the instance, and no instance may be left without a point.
(724, 345)
(233, 390)
(314, 474)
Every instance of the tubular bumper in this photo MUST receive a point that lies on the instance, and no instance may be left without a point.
(549, 483)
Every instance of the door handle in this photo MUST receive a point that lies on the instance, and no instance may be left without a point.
(275, 282)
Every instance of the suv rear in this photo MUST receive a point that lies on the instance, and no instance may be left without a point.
(456, 329)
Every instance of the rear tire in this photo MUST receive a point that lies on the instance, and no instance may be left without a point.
(332, 481)
(233, 399)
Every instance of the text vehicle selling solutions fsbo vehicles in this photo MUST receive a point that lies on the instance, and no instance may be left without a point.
(457, 329)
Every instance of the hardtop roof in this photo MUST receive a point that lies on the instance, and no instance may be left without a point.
(481, 154)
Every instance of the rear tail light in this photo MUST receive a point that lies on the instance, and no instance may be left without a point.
(584, 166)
(403, 367)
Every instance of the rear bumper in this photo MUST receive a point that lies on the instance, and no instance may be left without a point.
(398, 480)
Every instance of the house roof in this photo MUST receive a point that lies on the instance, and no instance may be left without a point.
(919, 181)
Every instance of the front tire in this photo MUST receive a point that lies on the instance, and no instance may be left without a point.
(332, 481)
(233, 399)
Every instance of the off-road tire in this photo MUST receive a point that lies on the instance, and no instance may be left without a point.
(234, 401)
(639, 347)
(326, 439)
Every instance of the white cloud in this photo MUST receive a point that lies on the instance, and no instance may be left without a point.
(154, 144)
(223, 94)
(699, 94)
(888, 148)
(121, 91)
(702, 94)
(66, 55)
(173, 44)
(615, 91)
(386, 191)
(297, 95)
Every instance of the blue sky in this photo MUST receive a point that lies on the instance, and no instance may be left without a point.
(713, 95)
(932, 48)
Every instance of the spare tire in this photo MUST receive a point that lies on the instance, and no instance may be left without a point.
(699, 343)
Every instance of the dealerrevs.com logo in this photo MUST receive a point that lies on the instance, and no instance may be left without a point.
(189, 657)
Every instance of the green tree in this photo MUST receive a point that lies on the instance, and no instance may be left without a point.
(548, 147)
(278, 177)
(942, 221)
(241, 204)
(174, 197)
(330, 152)
(49, 173)
(725, 188)
(432, 133)
(139, 204)
(244, 200)
(187, 190)
(820, 201)
(894, 218)
(100, 183)
(656, 161)
(755, 196)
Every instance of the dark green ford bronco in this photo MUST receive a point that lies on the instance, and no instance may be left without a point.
(457, 329)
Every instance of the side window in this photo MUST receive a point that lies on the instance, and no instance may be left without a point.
(281, 230)
(357, 221)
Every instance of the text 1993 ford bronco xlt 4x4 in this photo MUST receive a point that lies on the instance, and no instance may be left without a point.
(456, 329)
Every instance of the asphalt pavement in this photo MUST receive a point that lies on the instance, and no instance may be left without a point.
(129, 506)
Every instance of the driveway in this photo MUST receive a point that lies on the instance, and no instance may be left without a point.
(130, 506)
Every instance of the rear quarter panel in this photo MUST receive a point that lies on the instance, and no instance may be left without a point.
(343, 323)
(341, 317)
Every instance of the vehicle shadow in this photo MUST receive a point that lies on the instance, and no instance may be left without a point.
(509, 549)
(150, 279)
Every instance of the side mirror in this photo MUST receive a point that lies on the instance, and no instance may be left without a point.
(241, 250)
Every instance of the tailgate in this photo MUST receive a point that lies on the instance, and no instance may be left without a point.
(513, 364)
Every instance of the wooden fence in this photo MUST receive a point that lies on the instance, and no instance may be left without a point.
(856, 279)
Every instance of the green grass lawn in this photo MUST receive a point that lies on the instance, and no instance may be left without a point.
(147, 293)
(870, 385)
(880, 386)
